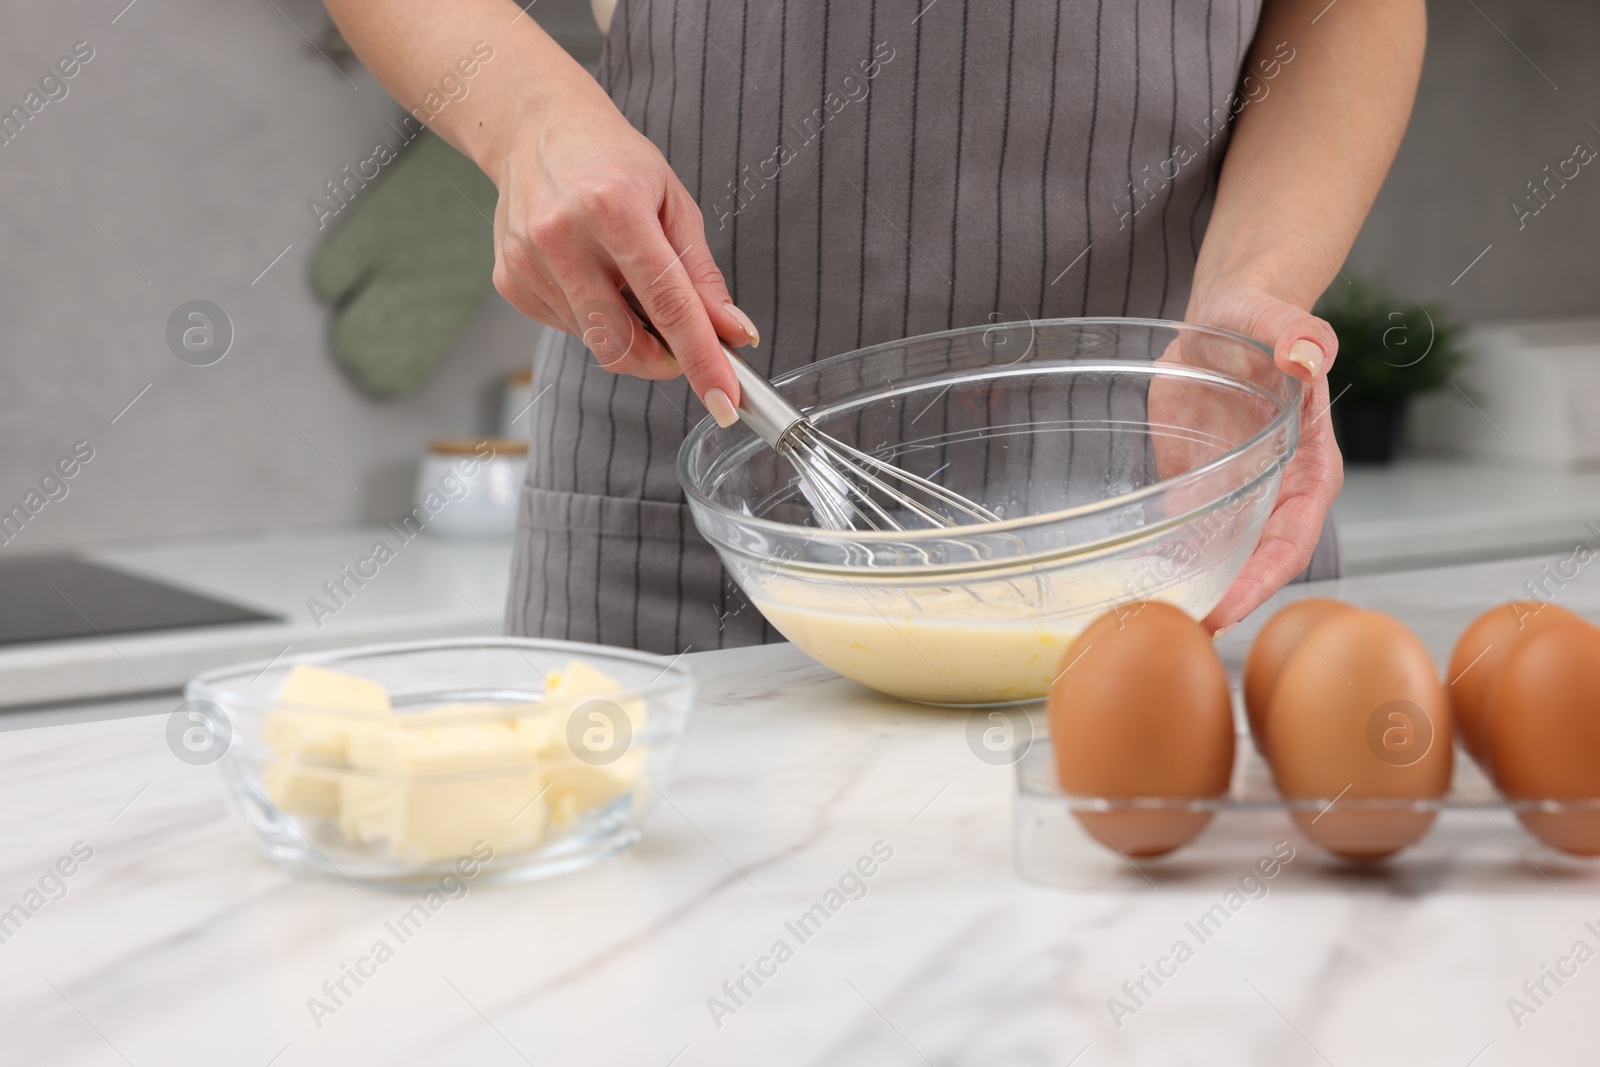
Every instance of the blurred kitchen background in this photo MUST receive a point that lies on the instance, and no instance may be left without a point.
(178, 167)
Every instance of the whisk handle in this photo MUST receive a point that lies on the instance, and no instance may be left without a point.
(761, 407)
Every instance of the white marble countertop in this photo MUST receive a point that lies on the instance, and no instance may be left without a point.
(1425, 510)
(176, 944)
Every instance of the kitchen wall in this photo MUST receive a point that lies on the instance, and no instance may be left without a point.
(178, 166)
(1508, 89)
(179, 163)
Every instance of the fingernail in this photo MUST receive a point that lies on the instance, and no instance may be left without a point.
(1308, 354)
(721, 407)
(1220, 634)
(745, 324)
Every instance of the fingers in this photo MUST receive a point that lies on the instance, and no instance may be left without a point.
(601, 320)
(1310, 484)
(1302, 344)
(519, 291)
(1303, 347)
(684, 227)
(595, 232)
(620, 342)
(572, 276)
(1285, 548)
(585, 304)
(659, 280)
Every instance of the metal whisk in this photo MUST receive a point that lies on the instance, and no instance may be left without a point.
(847, 488)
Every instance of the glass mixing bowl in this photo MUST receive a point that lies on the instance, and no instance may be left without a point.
(1128, 459)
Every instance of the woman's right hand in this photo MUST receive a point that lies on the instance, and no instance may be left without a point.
(589, 206)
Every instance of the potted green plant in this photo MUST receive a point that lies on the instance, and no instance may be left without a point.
(1389, 351)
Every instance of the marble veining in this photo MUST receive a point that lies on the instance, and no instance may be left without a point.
(176, 944)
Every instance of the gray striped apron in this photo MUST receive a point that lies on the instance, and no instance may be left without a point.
(868, 170)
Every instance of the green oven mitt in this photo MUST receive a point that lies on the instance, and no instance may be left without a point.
(409, 259)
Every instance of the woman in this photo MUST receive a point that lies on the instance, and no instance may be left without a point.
(846, 172)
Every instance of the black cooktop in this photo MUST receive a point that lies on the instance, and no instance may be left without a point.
(51, 599)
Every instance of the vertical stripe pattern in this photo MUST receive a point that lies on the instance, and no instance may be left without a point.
(867, 171)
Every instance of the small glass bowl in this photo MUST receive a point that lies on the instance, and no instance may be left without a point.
(476, 769)
(1129, 459)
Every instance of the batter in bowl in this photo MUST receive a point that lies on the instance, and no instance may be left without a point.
(995, 641)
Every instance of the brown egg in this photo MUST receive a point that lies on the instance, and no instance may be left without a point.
(1277, 641)
(1143, 711)
(1360, 719)
(1543, 731)
(1478, 658)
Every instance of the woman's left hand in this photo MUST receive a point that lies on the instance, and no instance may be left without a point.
(1303, 346)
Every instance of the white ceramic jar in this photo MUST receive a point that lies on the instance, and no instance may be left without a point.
(469, 487)
(516, 398)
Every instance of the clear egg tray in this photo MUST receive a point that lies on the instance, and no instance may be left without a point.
(1476, 840)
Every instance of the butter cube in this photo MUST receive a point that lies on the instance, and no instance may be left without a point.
(305, 738)
(577, 788)
(579, 782)
(308, 688)
(432, 792)
(580, 681)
